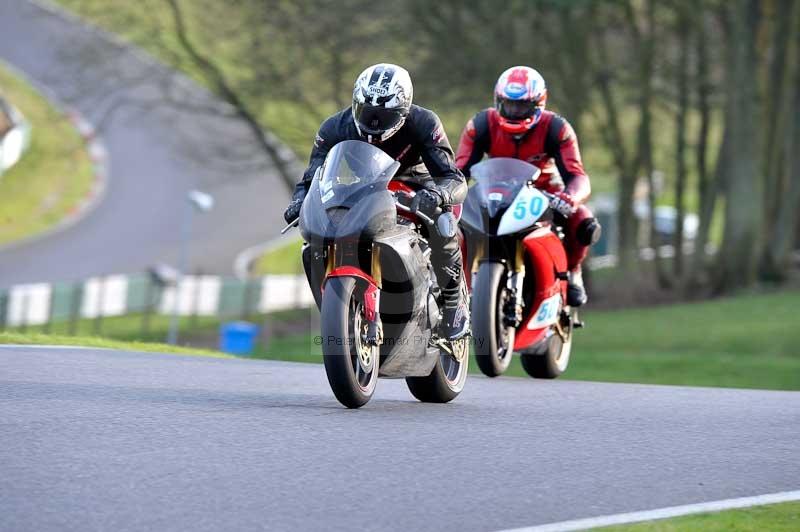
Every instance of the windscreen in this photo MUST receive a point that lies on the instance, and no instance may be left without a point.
(351, 167)
(499, 179)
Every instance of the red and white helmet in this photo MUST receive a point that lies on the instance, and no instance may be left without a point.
(519, 97)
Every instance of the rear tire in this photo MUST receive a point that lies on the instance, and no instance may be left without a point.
(554, 358)
(494, 342)
(447, 379)
(350, 364)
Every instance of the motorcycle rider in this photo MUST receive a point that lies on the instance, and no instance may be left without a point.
(383, 115)
(519, 126)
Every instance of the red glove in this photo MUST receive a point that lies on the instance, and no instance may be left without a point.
(563, 203)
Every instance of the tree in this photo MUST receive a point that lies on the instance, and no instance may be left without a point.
(683, 23)
(743, 190)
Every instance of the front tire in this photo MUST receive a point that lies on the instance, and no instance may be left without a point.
(350, 364)
(494, 341)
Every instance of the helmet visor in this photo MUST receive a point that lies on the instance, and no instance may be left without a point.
(374, 119)
(516, 109)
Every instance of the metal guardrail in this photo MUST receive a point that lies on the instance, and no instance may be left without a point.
(44, 304)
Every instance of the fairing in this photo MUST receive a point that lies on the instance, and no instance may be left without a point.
(349, 197)
(498, 182)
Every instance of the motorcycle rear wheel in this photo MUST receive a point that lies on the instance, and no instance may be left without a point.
(447, 379)
(350, 364)
(553, 359)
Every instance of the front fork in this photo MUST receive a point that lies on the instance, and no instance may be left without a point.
(372, 298)
(335, 258)
(512, 311)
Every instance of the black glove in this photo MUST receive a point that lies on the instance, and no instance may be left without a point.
(426, 201)
(292, 212)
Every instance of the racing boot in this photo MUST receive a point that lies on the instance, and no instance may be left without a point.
(455, 322)
(576, 292)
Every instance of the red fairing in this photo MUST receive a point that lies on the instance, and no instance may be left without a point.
(371, 292)
(561, 155)
(399, 186)
(350, 271)
(546, 258)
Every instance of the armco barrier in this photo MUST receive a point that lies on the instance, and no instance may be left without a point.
(117, 295)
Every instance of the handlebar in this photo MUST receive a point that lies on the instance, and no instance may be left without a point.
(293, 224)
(421, 215)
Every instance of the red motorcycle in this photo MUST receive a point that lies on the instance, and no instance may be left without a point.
(519, 265)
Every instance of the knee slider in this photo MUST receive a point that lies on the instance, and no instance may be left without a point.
(589, 232)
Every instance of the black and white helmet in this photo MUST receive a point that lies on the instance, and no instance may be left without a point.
(381, 101)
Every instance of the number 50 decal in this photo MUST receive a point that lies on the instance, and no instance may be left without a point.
(536, 204)
(528, 206)
(547, 312)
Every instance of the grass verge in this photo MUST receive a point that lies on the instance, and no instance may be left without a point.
(783, 517)
(283, 259)
(54, 175)
(750, 341)
(90, 341)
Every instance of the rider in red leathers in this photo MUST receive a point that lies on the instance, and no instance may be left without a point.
(519, 126)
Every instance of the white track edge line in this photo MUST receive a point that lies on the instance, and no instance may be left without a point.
(661, 513)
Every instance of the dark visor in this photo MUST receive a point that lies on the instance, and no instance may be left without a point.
(375, 120)
(516, 109)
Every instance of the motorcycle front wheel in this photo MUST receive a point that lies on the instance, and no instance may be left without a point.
(494, 341)
(350, 364)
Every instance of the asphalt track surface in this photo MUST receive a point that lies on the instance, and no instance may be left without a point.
(105, 440)
(157, 152)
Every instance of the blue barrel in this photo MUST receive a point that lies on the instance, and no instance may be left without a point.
(238, 337)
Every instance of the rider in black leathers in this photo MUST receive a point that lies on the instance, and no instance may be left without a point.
(414, 136)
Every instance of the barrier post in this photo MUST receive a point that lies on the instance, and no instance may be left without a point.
(3, 309)
(195, 301)
(149, 303)
(75, 308)
(49, 323)
(97, 324)
(23, 326)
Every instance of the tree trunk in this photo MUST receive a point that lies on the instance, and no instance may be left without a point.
(743, 188)
(777, 127)
(645, 40)
(773, 122)
(613, 138)
(706, 188)
(787, 226)
(680, 137)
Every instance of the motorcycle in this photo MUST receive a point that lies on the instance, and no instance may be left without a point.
(519, 265)
(367, 263)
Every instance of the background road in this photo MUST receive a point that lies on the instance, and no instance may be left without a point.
(104, 440)
(157, 153)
